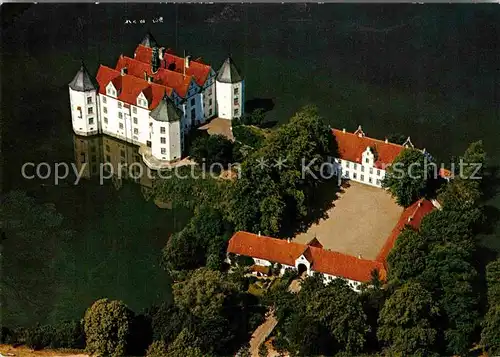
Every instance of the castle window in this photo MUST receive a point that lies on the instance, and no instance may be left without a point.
(371, 170)
(89, 100)
(347, 173)
(162, 130)
(119, 105)
(236, 91)
(354, 175)
(107, 147)
(104, 99)
(193, 102)
(162, 140)
(120, 126)
(91, 110)
(362, 177)
(163, 151)
(122, 153)
(236, 101)
(236, 112)
(193, 114)
(135, 120)
(105, 120)
(347, 164)
(367, 160)
(91, 121)
(136, 131)
(210, 112)
(378, 182)
(378, 172)
(120, 115)
(134, 110)
(355, 166)
(210, 102)
(370, 180)
(362, 168)
(105, 110)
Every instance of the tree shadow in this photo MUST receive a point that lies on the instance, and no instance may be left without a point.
(321, 199)
(269, 124)
(266, 104)
(490, 182)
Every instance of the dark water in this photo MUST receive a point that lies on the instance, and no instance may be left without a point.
(431, 72)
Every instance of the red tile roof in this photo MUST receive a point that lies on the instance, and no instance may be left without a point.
(284, 252)
(163, 77)
(351, 147)
(129, 87)
(411, 216)
(199, 71)
(323, 260)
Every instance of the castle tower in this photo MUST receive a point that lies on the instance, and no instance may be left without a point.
(166, 138)
(83, 101)
(230, 91)
(149, 41)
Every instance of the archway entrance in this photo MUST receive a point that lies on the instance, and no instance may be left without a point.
(302, 269)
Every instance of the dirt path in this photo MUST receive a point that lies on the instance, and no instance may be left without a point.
(261, 334)
(23, 351)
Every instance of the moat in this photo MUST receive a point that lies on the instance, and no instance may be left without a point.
(420, 72)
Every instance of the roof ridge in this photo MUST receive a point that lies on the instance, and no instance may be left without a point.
(161, 68)
(175, 55)
(369, 137)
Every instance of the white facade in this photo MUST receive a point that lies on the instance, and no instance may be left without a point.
(230, 99)
(166, 140)
(364, 172)
(327, 278)
(95, 112)
(84, 112)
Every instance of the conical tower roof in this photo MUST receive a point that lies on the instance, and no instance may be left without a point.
(83, 82)
(149, 41)
(229, 73)
(166, 111)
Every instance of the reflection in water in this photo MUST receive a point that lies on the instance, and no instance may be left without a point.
(112, 159)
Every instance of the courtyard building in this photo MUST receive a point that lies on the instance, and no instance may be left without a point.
(312, 257)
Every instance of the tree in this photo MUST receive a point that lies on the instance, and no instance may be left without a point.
(157, 349)
(183, 346)
(451, 278)
(406, 321)
(407, 259)
(465, 189)
(263, 351)
(338, 308)
(255, 118)
(203, 294)
(490, 335)
(407, 177)
(212, 149)
(493, 281)
(107, 324)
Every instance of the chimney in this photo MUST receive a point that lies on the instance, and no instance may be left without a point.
(150, 79)
(259, 233)
(160, 53)
(145, 75)
(410, 219)
(187, 60)
(288, 240)
(360, 256)
(386, 141)
(343, 130)
(420, 204)
(124, 71)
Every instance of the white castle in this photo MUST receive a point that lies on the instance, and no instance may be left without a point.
(154, 99)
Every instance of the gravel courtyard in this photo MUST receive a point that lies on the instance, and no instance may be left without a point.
(359, 222)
